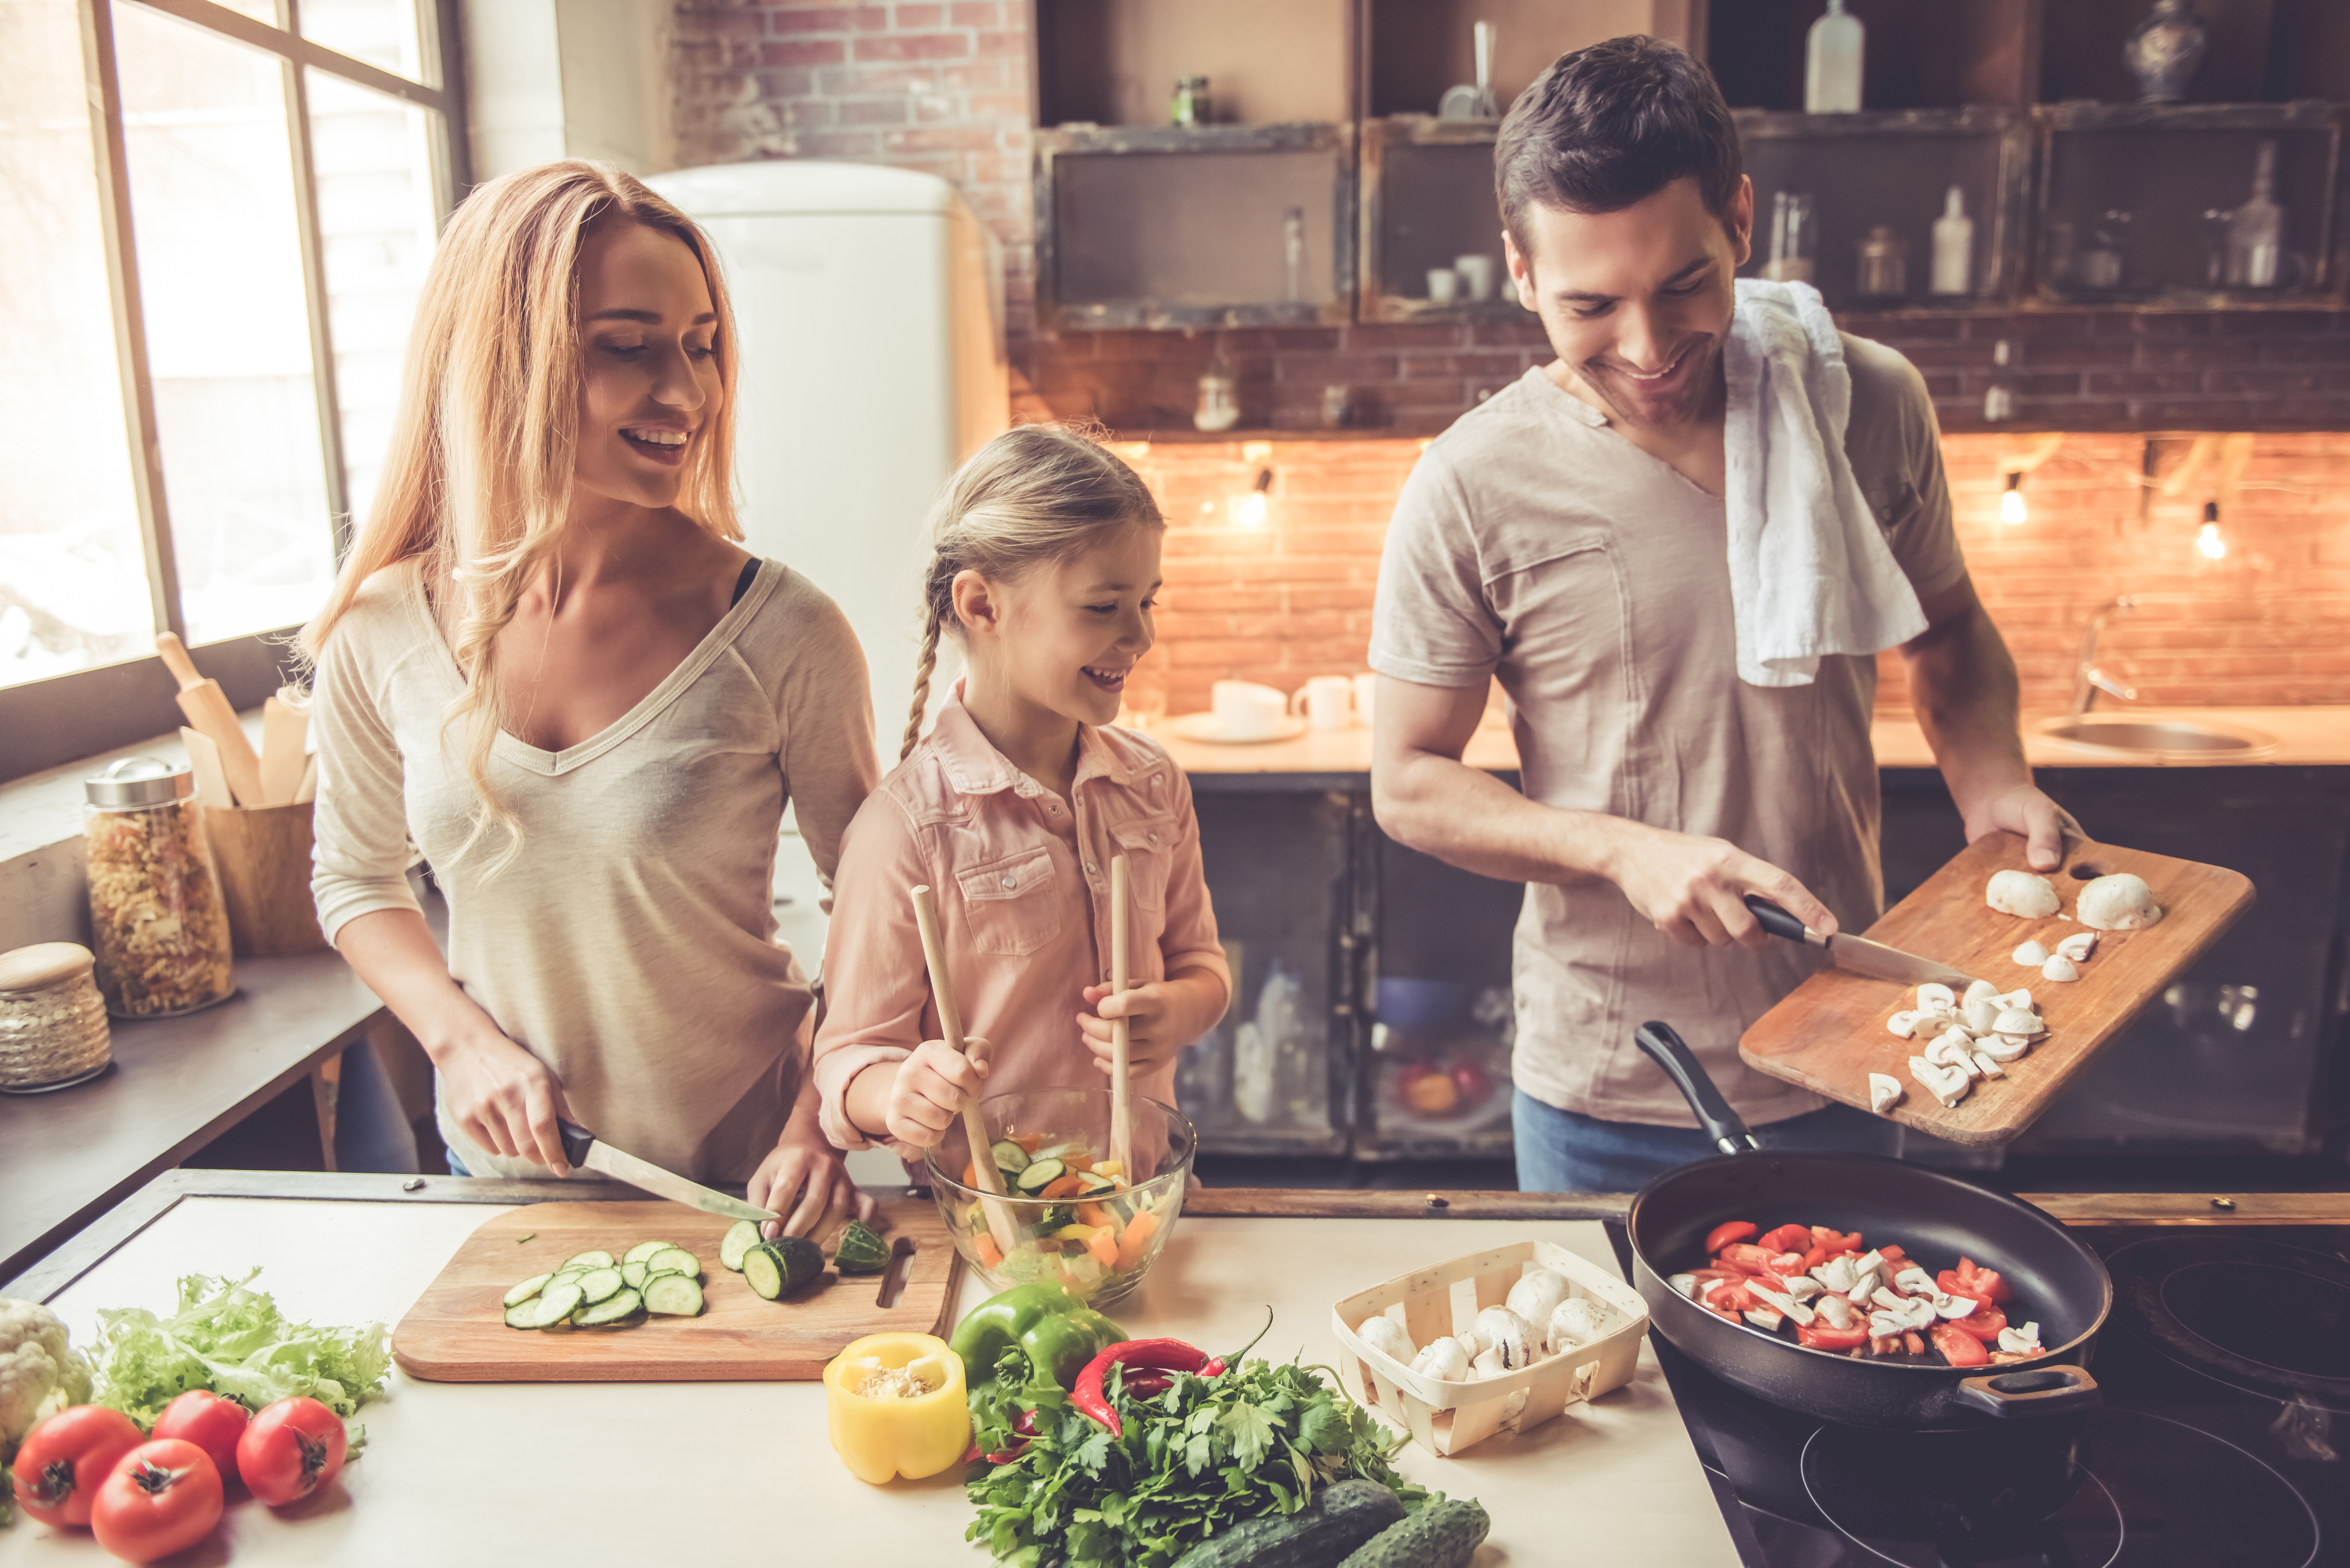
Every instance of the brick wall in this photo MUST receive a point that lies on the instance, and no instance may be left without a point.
(942, 88)
(2268, 623)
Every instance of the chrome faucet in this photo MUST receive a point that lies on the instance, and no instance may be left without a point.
(2088, 679)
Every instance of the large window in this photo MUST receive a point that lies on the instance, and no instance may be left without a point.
(215, 221)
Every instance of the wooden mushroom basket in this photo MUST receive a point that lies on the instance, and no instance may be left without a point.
(1446, 1417)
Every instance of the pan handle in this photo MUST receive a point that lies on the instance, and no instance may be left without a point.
(2032, 1391)
(1722, 1125)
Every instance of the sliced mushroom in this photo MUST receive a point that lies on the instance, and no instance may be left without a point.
(1488, 1365)
(1535, 1296)
(1917, 1281)
(2060, 968)
(2119, 903)
(1987, 1065)
(2003, 1047)
(1980, 1005)
(1391, 1339)
(1935, 996)
(1836, 1311)
(1685, 1284)
(2079, 946)
(1947, 1085)
(1904, 1026)
(2022, 893)
(1955, 1306)
(1837, 1273)
(1884, 1092)
(1444, 1360)
(1579, 1320)
(1889, 1300)
(2015, 1021)
(2024, 1341)
(2018, 999)
(1504, 1331)
(1767, 1319)
(1779, 1300)
(2030, 955)
(1802, 1287)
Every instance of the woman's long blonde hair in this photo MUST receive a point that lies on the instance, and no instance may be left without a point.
(478, 484)
(1034, 495)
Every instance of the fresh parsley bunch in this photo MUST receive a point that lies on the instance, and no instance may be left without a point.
(1205, 1455)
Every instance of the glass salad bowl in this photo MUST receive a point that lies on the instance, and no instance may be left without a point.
(1096, 1232)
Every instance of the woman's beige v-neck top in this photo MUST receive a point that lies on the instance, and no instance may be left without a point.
(632, 945)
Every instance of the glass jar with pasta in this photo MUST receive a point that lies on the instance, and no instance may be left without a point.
(158, 925)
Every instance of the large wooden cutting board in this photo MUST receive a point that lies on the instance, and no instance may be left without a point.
(1829, 1034)
(456, 1331)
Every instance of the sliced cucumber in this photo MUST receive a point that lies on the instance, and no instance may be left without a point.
(558, 1302)
(643, 1250)
(1039, 1174)
(633, 1275)
(600, 1286)
(524, 1314)
(587, 1260)
(1009, 1157)
(672, 1295)
(527, 1289)
(634, 1320)
(672, 1261)
(1088, 1184)
(617, 1306)
(763, 1271)
(740, 1237)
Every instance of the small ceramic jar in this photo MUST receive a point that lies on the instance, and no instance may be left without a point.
(53, 1027)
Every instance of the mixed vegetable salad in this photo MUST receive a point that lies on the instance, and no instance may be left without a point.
(1096, 1231)
(1842, 1300)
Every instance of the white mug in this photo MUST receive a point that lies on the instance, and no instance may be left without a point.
(1327, 702)
(1476, 275)
(1367, 685)
(1443, 285)
(1246, 711)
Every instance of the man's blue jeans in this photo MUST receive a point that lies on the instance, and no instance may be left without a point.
(1562, 1151)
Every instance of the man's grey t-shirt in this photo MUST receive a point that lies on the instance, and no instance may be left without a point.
(1535, 543)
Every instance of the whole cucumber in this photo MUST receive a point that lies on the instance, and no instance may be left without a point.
(1443, 1534)
(1341, 1516)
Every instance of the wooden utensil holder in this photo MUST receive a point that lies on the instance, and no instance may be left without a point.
(1446, 1417)
(263, 854)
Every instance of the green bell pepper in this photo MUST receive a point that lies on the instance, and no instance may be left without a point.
(1045, 1322)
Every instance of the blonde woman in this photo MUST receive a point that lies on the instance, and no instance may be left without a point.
(549, 665)
(1044, 566)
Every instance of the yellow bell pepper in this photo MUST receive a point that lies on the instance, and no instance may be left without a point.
(896, 1406)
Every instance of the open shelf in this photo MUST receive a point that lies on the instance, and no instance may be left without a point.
(1919, 54)
(1428, 199)
(1115, 62)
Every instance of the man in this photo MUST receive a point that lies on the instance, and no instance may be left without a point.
(1570, 536)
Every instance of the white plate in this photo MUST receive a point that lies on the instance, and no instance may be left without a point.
(1203, 727)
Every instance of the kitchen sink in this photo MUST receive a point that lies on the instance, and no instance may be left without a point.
(2167, 738)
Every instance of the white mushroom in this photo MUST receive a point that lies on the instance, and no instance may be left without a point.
(1472, 1344)
(1507, 1333)
(1685, 1284)
(1779, 1300)
(2079, 946)
(1767, 1319)
(1388, 1338)
(1802, 1287)
(1444, 1360)
(1838, 1273)
(1935, 997)
(1955, 1048)
(1980, 1005)
(2024, 1341)
(1904, 1026)
(2060, 968)
(2032, 955)
(1917, 1281)
(1837, 1312)
(2016, 1023)
(1987, 1066)
(1954, 1307)
(2119, 903)
(1575, 1321)
(2003, 1047)
(1488, 1365)
(1884, 1092)
(2022, 893)
(2018, 999)
(1535, 1296)
(1947, 1085)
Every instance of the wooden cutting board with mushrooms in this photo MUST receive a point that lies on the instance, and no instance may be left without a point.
(2064, 960)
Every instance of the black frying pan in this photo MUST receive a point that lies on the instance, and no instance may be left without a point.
(1935, 1218)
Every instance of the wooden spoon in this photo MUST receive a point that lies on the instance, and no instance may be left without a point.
(1121, 1111)
(974, 1127)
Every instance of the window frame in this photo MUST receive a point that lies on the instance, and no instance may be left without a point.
(46, 723)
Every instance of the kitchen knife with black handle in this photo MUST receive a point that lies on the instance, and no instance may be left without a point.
(1857, 954)
(582, 1149)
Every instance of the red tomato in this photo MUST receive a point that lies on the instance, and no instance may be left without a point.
(1954, 1283)
(1892, 1254)
(1835, 1240)
(64, 1459)
(1985, 1284)
(1911, 1342)
(1818, 1335)
(1815, 1258)
(1722, 1236)
(212, 1423)
(1744, 1257)
(290, 1450)
(1958, 1347)
(164, 1497)
(1984, 1323)
(1786, 1238)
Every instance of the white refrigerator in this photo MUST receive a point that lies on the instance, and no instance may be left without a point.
(869, 303)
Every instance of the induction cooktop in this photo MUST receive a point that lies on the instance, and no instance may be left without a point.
(2219, 1444)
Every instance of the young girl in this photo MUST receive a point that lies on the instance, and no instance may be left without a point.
(1044, 557)
(548, 664)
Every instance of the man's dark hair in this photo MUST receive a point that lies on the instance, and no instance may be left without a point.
(1612, 125)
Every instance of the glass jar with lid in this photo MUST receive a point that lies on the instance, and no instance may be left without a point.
(158, 925)
(52, 1020)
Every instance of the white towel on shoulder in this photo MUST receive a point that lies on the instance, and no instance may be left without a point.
(1810, 572)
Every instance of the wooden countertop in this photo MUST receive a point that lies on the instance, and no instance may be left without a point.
(2306, 737)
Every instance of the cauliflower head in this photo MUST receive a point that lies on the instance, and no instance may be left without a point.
(38, 1375)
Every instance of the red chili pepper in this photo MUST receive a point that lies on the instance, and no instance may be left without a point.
(1958, 1347)
(1143, 1354)
(1722, 1236)
(1786, 1238)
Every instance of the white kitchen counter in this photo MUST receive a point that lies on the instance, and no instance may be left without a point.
(722, 1473)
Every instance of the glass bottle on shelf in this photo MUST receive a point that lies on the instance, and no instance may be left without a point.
(1954, 246)
(1189, 107)
(1292, 246)
(1884, 264)
(1791, 238)
(1999, 398)
(2256, 232)
(1831, 63)
(1219, 408)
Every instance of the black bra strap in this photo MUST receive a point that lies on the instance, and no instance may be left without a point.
(743, 584)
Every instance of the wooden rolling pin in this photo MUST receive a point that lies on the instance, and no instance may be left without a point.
(206, 706)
